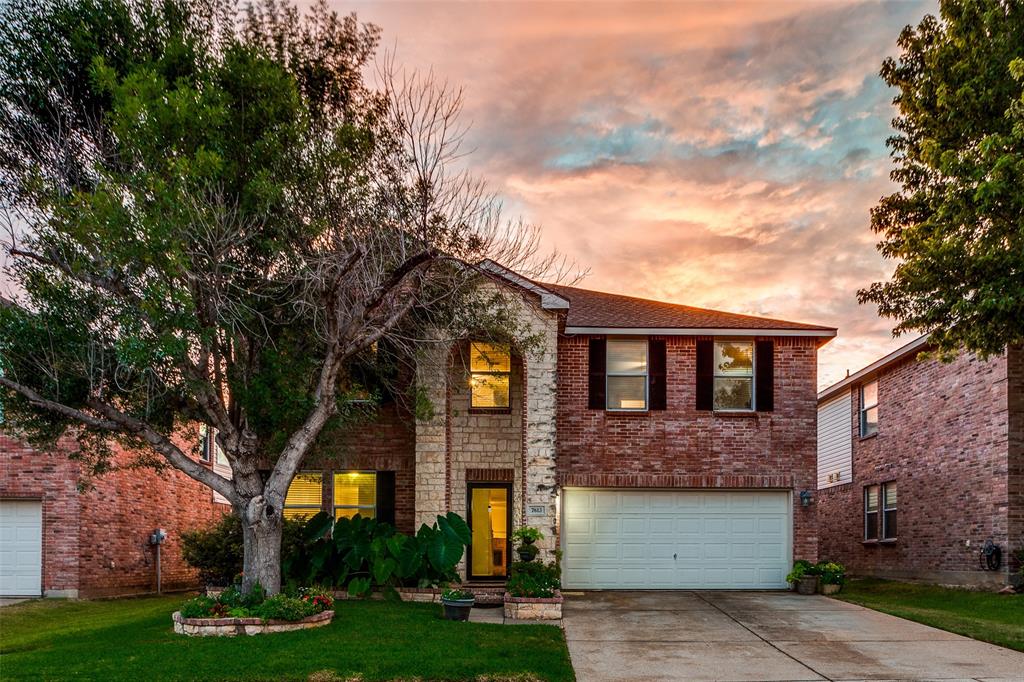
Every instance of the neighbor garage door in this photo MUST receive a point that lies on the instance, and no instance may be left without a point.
(675, 539)
(21, 548)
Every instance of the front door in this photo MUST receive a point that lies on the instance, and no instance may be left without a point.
(490, 520)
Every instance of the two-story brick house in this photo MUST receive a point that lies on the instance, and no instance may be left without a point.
(920, 463)
(658, 445)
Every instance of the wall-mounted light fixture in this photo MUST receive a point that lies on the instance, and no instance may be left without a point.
(805, 498)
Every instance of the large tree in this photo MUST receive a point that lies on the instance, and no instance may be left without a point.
(956, 226)
(212, 218)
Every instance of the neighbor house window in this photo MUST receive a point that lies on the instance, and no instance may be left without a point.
(490, 367)
(889, 511)
(880, 511)
(355, 492)
(869, 408)
(626, 374)
(305, 496)
(734, 375)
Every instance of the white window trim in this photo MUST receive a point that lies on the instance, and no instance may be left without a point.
(863, 409)
(336, 507)
(883, 508)
(753, 376)
(645, 375)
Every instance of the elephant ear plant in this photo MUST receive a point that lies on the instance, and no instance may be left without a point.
(363, 554)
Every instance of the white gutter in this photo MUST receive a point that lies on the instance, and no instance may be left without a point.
(875, 366)
(676, 331)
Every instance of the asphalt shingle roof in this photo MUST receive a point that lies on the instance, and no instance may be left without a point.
(599, 309)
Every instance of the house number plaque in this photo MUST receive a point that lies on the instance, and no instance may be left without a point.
(536, 510)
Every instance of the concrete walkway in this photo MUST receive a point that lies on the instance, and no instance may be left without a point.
(764, 636)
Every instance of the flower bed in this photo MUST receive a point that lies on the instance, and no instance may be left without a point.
(534, 608)
(229, 627)
(232, 612)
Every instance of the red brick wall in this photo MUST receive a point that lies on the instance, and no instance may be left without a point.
(1015, 463)
(27, 473)
(684, 447)
(387, 442)
(96, 541)
(943, 438)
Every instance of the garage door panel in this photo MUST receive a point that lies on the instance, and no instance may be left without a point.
(634, 539)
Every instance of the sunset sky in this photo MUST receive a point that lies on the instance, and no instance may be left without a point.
(712, 154)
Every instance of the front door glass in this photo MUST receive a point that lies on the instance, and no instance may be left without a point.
(489, 508)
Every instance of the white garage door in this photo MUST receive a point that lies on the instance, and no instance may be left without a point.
(675, 539)
(21, 548)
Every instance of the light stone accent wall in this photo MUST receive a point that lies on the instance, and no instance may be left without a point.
(541, 383)
(430, 435)
(493, 441)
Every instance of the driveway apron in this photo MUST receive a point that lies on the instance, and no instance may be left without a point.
(763, 637)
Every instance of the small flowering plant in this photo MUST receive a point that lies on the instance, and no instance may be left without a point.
(832, 573)
(319, 598)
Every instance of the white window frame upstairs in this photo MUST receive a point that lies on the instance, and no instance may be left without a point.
(645, 374)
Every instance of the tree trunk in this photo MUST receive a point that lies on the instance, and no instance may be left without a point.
(262, 550)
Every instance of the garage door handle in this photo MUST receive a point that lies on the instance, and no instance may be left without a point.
(674, 556)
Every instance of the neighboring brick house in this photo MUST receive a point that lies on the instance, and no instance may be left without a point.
(658, 445)
(60, 542)
(920, 463)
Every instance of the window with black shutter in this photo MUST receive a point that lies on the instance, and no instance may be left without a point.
(657, 375)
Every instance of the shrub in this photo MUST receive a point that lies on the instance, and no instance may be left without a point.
(801, 567)
(198, 607)
(534, 579)
(320, 598)
(283, 607)
(832, 573)
(216, 551)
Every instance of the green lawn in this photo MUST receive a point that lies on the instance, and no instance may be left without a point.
(132, 639)
(995, 618)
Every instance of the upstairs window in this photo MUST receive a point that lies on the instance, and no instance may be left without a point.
(869, 409)
(734, 376)
(305, 496)
(490, 367)
(626, 372)
(880, 511)
(355, 493)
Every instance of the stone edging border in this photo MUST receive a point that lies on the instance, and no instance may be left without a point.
(534, 608)
(229, 627)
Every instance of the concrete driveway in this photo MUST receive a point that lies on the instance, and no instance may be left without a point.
(644, 636)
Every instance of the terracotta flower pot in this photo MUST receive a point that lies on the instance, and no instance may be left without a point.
(829, 588)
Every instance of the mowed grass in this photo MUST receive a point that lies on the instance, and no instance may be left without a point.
(986, 616)
(132, 639)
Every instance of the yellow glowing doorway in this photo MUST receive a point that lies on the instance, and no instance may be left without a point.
(489, 519)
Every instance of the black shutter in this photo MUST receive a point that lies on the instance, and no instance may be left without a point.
(386, 496)
(705, 375)
(764, 382)
(597, 370)
(656, 383)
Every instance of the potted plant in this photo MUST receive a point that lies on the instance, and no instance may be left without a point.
(831, 576)
(457, 604)
(525, 537)
(804, 577)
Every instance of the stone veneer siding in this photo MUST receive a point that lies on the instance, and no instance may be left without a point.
(453, 440)
(96, 542)
(681, 447)
(943, 438)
